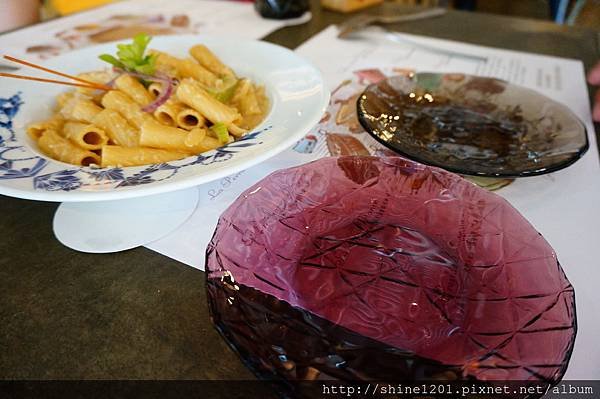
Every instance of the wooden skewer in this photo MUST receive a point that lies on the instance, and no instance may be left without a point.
(87, 83)
(10, 75)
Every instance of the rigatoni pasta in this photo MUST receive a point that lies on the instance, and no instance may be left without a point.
(124, 105)
(195, 141)
(80, 109)
(134, 89)
(193, 94)
(114, 155)
(96, 77)
(186, 68)
(245, 98)
(190, 119)
(208, 60)
(167, 113)
(84, 135)
(117, 128)
(155, 89)
(55, 123)
(63, 98)
(59, 148)
(167, 109)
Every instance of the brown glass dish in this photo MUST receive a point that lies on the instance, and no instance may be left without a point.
(472, 125)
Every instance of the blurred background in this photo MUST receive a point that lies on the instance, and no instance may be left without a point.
(20, 13)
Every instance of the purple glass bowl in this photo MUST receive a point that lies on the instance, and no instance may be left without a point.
(364, 268)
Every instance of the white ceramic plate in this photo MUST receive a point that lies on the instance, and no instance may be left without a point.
(295, 88)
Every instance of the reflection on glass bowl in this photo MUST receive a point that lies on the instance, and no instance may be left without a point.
(366, 268)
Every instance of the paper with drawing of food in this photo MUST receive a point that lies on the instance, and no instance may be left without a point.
(116, 27)
(343, 144)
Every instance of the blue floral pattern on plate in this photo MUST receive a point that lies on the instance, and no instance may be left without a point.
(16, 162)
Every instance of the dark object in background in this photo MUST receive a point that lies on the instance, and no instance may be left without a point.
(555, 9)
(467, 5)
(281, 9)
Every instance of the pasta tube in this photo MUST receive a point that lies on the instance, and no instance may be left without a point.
(82, 110)
(57, 147)
(250, 121)
(209, 60)
(100, 77)
(113, 155)
(186, 68)
(168, 70)
(167, 113)
(134, 89)
(192, 94)
(117, 128)
(35, 130)
(63, 98)
(124, 105)
(155, 89)
(190, 119)
(84, 135)
(195, 141)
(245, 99)
(236, 130)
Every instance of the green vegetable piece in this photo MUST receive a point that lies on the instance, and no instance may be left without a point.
(220, 130)
(111, 60)
(131, 56)
(226, 93)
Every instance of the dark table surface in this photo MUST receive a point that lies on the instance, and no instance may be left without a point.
(140, 315)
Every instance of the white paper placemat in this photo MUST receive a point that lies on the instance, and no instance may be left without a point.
(113, 21)
(562, 205)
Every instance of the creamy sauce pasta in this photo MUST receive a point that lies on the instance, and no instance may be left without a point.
(197, 105)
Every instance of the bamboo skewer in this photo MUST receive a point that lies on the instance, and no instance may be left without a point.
(83, 82)
(10, 75)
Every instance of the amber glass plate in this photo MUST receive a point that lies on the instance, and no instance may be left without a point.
(472, 125)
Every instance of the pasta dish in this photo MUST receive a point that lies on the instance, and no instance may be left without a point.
(154, 108)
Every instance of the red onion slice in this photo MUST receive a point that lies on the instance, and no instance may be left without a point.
(165, 92)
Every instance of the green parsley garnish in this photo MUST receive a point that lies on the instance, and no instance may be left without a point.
(130, 57)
